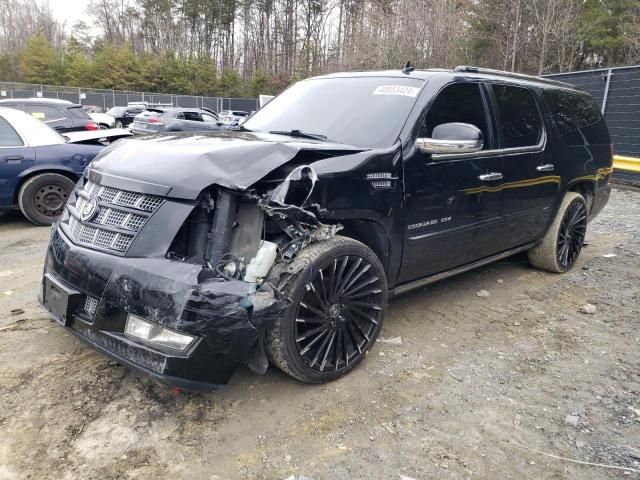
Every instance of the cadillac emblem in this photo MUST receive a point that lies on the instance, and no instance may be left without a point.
(89, 210)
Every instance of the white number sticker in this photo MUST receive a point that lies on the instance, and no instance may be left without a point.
(396, 90)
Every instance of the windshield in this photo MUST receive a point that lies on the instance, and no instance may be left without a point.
(359, 111)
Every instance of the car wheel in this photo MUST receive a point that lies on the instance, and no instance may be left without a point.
(42, 198)
(338, 302)
(118, 124)
(103, 126)
(564, 240)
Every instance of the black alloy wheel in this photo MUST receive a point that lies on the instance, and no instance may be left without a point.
(572, 233)
(339, 314)
(338, 294)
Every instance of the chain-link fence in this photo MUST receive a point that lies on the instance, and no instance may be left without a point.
(617, 91)
(118, 98)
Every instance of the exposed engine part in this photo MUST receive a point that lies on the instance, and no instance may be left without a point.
(260, 265)
(300, 224)
(247, 230)
(219, 237)
(230, 267)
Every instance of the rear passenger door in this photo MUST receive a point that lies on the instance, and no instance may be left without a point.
(531, 183)
(191, 121)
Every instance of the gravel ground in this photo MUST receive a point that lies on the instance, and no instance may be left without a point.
(479, 387)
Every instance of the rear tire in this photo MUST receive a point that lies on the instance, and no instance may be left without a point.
(42, 197)
(339, 298)
(563, 242)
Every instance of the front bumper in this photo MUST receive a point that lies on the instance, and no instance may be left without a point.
(226, 316)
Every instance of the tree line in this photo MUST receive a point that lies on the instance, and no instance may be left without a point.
(247, 47)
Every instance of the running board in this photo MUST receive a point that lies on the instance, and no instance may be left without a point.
(406, 287)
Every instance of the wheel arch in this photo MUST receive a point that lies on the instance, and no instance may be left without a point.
(586, 188)
(372, 234)
(70, 174)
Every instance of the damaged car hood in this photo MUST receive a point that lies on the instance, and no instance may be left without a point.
(181, 165)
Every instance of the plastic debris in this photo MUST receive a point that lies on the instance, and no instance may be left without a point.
(391, 341)
(482, 293)
(588, 309)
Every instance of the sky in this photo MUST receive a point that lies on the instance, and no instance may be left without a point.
(69, 11)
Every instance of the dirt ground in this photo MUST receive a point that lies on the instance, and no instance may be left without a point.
(478, 387)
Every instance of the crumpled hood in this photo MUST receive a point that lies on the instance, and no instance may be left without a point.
(181, 165)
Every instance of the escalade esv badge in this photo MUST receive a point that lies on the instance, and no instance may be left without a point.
(89, 210)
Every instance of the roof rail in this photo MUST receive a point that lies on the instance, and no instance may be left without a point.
(522, 76)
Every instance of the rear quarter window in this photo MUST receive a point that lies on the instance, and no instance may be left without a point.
(8, 136)
(577, 118)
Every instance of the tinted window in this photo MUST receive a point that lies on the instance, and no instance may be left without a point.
(520, 121)
(8, 136)
(577, 118)
(193, 116)
(79, 112)
(460, 102)
(45, 113)
(360, 111)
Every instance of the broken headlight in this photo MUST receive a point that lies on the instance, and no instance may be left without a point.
(153, 333)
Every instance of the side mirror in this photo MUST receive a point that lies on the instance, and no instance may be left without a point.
(452, 138)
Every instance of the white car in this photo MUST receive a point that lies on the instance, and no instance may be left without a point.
(104, 120)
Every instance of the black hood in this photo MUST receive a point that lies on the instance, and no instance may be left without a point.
(181, 165)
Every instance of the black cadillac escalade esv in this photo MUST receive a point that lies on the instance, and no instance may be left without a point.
(185, 255)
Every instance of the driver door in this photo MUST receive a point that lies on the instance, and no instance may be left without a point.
(452, 201)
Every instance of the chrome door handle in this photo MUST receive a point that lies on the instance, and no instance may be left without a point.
(490, 177)
(545, 168)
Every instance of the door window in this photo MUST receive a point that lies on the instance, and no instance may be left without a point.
(209, 118)
(8, 136)
(459, 102)
(193, 116)
(521, 125)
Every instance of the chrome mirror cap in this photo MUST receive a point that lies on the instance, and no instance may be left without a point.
(431, 145)
(454, 138)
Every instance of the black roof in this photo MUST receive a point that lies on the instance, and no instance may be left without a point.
(463, 70)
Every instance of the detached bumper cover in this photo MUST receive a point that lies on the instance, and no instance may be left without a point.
(226, 316)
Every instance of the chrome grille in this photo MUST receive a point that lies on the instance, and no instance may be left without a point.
(121, 216)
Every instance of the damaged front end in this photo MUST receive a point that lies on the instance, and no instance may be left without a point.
(181, 290)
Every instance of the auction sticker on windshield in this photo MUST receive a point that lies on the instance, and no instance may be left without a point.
(396, 90)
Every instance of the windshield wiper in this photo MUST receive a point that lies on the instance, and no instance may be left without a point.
(299, 134)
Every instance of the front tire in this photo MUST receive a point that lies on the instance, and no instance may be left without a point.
(42, 197)
(339, 298)
(564, 240)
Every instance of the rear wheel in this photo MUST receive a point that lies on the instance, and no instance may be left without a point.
(339, 298)
(564, 240)
(42, 198)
